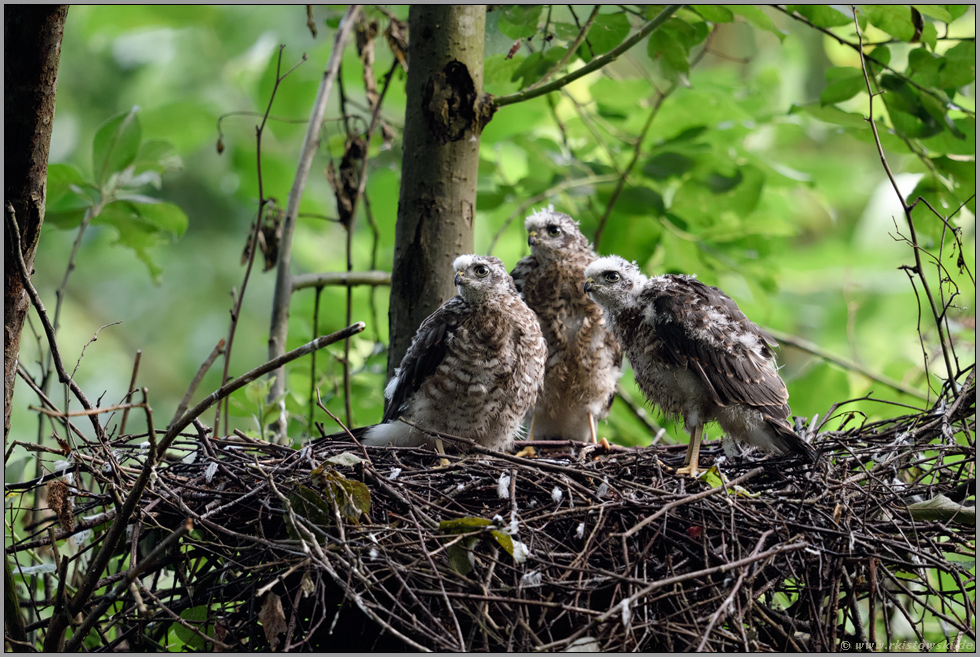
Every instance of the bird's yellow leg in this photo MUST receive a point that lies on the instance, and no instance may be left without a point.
(441, 449)
(530, 432)
(693, 450)
(593, 438)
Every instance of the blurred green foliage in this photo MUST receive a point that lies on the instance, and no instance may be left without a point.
(750, 164)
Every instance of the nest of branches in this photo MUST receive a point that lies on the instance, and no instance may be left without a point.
(240, 544)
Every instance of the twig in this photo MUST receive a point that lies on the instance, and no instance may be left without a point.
(201, 371)
(907, 209)
(817, 350)
(280, 302)
(82, 630)
(372, 278)
(572, 49)
(129, 393)
(594, 65)
(49, 330)
(253, 247)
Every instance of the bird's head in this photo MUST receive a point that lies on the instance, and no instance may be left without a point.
(551, 233)
(480, 277)
(613, 282)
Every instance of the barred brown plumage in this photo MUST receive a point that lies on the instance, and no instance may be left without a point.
(584, 359)
(695, 354)
(474, 367)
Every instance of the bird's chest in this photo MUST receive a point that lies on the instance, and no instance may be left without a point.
(674, 388)
(560, 304)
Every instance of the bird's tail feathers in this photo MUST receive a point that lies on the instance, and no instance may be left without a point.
(791, 440)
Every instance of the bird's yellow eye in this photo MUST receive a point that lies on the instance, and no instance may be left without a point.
(611, 277)
(481, 271)
(554, 231)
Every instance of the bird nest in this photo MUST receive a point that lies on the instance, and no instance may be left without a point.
(243, 544)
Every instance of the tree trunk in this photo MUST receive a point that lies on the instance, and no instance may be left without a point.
(31, 52)
(443, 118)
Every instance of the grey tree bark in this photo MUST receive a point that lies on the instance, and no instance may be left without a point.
(31, 53)
(446, 111)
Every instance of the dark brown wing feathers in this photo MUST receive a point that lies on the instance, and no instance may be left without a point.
(425, 354)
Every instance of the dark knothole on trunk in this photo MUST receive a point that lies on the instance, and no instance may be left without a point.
(449, 102)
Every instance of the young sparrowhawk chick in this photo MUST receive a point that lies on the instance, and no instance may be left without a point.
(584, 358)
(474, 367)
(696, 355)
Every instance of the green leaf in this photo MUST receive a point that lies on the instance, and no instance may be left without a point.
(670, 52)
(896, 20)
(66, 200)
(352, 498)
(499, 73)
(824, 15)
(165, 216)
(505, 541)
(829, 114)
(947, 143)
(157, 155)
(461, 557)
(757, 17)
(463, 525)
(955, 11)
(929, 36)
(960, 68)
(608, 31)
(943, 509)
(935, 11)
(309, 504)
(665, 165)
(196, 616)
(714, 13)
(519, 21)
(843, 84)
(116, 145)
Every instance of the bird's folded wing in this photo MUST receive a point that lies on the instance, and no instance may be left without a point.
(426, 353)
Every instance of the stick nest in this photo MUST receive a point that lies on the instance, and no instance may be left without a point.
(340, 547)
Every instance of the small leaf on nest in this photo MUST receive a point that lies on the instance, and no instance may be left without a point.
(506, 542)
(345, 458)
(309, 504)
(273, 619)
(461, 555)
(463, 525)
(942, 508)
(712, 477)
(352, 497)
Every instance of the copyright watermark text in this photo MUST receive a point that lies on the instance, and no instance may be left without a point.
(910, 646)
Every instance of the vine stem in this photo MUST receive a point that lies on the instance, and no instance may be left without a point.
(906, 208)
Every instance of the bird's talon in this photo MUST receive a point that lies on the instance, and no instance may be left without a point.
(689, 470)
(526, 452)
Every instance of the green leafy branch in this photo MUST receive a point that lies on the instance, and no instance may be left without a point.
(594, 65)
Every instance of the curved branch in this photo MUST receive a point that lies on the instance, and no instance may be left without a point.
(594, 65)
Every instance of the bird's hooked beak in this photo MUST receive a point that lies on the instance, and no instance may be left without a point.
(458, 279)
(532, 238)
(589, 285)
